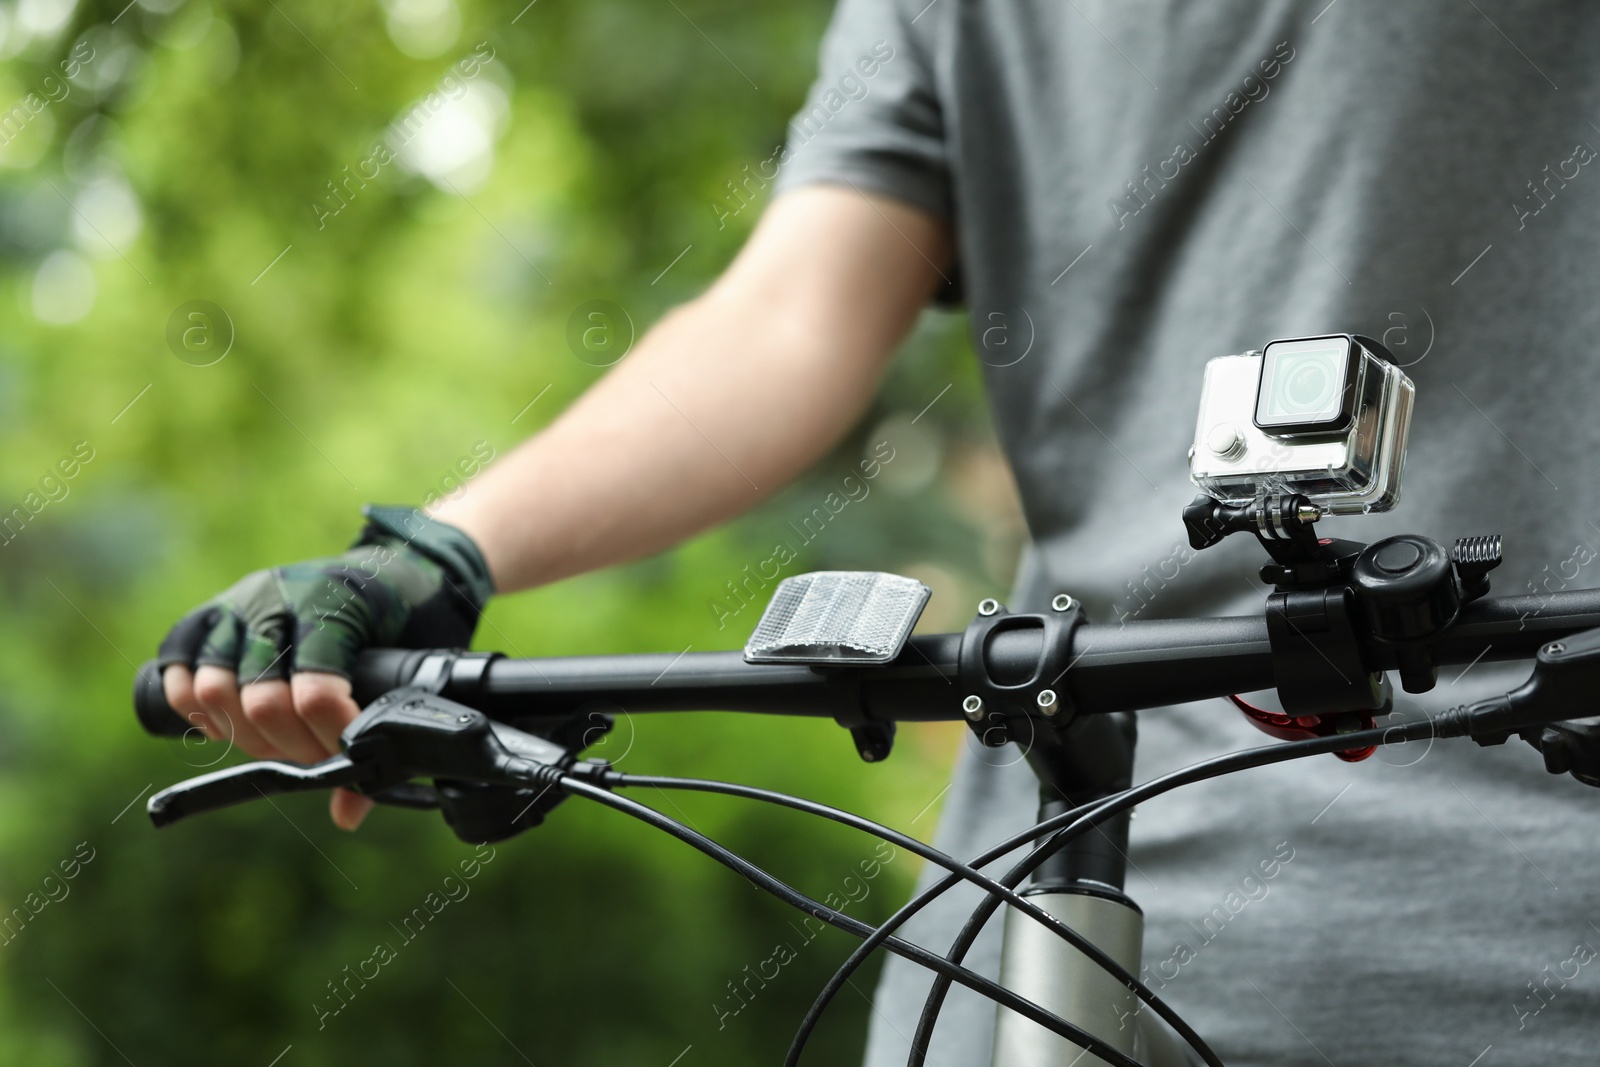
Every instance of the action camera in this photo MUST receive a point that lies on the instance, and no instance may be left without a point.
(1325, 417)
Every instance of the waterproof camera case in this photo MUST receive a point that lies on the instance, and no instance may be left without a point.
(1325, 417)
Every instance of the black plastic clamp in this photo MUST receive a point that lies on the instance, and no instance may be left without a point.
(874, 738)
(1316, 656)
(454, 672)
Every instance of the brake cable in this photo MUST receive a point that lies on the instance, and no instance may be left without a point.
(989, 885)
(1113, 805)
(855, 927)
(1074, 822)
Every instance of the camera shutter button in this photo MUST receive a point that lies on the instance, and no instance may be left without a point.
(1225, 440)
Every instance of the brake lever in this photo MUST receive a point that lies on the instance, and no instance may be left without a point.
(1552, 711)
(490, 778)
(249, 781)
(415, 795)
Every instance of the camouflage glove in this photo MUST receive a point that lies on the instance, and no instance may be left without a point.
(408, 581)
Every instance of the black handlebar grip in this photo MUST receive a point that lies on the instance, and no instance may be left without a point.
(150, 704)
(377, 671)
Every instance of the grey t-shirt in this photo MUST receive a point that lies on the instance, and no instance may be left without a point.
(1137, 187)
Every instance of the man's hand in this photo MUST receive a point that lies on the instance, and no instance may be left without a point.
(267, 663)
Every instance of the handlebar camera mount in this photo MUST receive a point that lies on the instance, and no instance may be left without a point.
(1306, 428)
(1333, 599)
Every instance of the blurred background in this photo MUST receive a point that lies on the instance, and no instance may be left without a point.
(264, 262)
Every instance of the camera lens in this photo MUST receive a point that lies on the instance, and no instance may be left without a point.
(1302, 387)
(1307, 383)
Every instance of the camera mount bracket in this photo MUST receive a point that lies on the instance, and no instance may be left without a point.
(1285, 524)
(1332, 598)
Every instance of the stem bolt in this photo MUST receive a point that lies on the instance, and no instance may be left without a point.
(1063, 602)
(973, 706)
(1048, 704)
(988, 606)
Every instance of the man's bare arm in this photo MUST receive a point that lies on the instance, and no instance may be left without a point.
(723, 402)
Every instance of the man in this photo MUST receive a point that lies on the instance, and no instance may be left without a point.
(1118, 193)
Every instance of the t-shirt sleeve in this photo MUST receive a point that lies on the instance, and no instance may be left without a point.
(872, 118)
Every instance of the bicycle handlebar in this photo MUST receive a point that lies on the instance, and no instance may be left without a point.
(1139, 664)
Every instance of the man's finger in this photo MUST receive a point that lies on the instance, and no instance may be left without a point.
(269, 707)
(324, 704)
(217, 690)
(348, 808)
(177, 685)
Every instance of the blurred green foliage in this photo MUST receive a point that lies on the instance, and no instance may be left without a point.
(372, 349)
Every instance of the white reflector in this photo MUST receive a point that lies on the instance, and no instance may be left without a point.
(837, 617)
